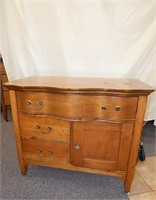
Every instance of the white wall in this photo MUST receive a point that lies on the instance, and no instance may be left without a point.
(81, 38)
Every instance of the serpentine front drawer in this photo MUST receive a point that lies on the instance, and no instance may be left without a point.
(77, 106)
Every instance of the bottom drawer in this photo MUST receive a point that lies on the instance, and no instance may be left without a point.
(45, 150)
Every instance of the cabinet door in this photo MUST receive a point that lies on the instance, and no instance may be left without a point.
(101, 145)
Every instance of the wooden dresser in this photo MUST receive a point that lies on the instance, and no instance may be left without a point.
(5, 98)
(82, 124)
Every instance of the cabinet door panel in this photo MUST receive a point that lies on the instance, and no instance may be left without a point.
(101, 145)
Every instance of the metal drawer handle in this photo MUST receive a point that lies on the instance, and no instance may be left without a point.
(77, 146)
(118, 108)
(41, 105)
(43, 132)
(103, 107)
(40, 152)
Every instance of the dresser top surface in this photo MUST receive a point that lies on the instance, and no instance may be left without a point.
(80, 84)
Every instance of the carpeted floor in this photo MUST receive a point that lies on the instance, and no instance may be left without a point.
(48, 183)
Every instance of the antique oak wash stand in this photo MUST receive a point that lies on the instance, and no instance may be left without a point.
(83, 124)
(5, 99)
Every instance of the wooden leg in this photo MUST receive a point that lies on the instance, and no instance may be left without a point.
(5, 114)
(23, 169)
(135, 142)
(128, 182)
(4, 110)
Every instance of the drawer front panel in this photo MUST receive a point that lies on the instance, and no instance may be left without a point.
(117, 108)
(49, 103)
(44, 127)
(45, 151)
(77, 106)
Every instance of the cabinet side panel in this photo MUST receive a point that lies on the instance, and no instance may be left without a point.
(135, 141)
(23, 168)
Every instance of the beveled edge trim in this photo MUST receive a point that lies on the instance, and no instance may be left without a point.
(81, 91)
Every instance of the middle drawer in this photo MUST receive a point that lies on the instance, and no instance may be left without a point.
(44, 127)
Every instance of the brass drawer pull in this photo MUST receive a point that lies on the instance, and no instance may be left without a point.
(118, 108)
(50, 153)
(43, 132)
(41, 105)
(77, 146)
(103, 107)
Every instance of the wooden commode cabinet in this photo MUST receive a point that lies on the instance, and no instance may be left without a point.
(83, 124)
(5, 98)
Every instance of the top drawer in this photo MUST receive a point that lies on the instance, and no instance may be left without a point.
(77, 106)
